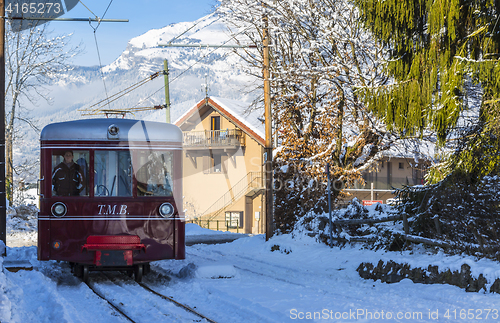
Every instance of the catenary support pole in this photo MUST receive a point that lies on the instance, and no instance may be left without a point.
(167, 91)
(3, 201)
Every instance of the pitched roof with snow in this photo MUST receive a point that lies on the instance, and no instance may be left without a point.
(235, 111)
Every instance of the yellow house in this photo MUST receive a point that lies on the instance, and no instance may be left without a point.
(223, 166)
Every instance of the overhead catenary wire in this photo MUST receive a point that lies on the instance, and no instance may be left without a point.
(223, 45)
(97, 45)
(185, 31)
(122, 93)
(109, 5)
(100, 65)
(122, 112)
(89, 111)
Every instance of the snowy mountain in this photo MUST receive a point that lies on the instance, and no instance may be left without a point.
(190, 69)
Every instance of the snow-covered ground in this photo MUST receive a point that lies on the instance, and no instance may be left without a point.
(244, 281)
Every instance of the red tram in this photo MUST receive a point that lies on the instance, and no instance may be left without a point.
(111, 195)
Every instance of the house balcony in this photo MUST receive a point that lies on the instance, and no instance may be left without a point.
(214, 139)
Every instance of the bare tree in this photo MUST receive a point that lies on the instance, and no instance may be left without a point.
(33, 60)
(320, 55)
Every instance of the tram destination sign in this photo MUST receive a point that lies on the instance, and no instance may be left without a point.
(25, 14)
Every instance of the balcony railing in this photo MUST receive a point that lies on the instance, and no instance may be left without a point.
(214, 138)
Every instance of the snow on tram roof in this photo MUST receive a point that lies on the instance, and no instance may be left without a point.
(99, 130)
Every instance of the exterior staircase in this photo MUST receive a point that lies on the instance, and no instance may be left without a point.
(251, 185)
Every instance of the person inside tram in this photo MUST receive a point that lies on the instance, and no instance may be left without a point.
(67, 177)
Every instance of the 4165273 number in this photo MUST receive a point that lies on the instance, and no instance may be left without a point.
(33, 8)
(472, 314)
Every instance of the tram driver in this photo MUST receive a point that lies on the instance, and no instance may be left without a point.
(67, 177)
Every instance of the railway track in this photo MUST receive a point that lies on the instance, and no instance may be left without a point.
(221, 301)
(273, 271)
(110, 285)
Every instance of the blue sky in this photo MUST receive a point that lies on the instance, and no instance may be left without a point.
(112, 38)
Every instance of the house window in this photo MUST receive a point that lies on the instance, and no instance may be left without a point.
(401, 166)
(234, 220)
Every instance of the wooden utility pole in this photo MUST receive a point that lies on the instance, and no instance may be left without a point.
(268, 150)
(3, 201)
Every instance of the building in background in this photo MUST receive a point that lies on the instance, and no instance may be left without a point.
(223, 166)
(394, 170)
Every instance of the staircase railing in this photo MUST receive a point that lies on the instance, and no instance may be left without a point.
(250, 180)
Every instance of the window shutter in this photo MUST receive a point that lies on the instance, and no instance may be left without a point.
(241, 219)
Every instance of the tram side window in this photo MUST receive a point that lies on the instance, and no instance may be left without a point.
(70, 172)
(112, 173)
(154, 173)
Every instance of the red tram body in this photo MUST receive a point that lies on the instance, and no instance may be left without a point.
(127, 211)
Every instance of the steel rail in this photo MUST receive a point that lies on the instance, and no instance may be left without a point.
(116, 307)
(176, 302)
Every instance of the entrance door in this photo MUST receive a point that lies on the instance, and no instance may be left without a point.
(215, 123)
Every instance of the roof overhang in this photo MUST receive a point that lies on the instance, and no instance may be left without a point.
(197, 110)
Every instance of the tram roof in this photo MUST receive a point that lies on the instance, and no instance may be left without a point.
(98, 130)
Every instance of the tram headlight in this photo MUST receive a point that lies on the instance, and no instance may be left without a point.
(113, 130)
(59, 209)
(166, 210)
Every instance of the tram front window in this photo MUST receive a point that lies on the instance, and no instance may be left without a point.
(153, 172)
(112, 173)
(70, 172)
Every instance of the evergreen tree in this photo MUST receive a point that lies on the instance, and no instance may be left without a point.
(444, 69)
(443, 63)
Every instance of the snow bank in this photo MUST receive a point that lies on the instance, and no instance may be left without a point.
(216, 271)
(22, 224)
(5, 304)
